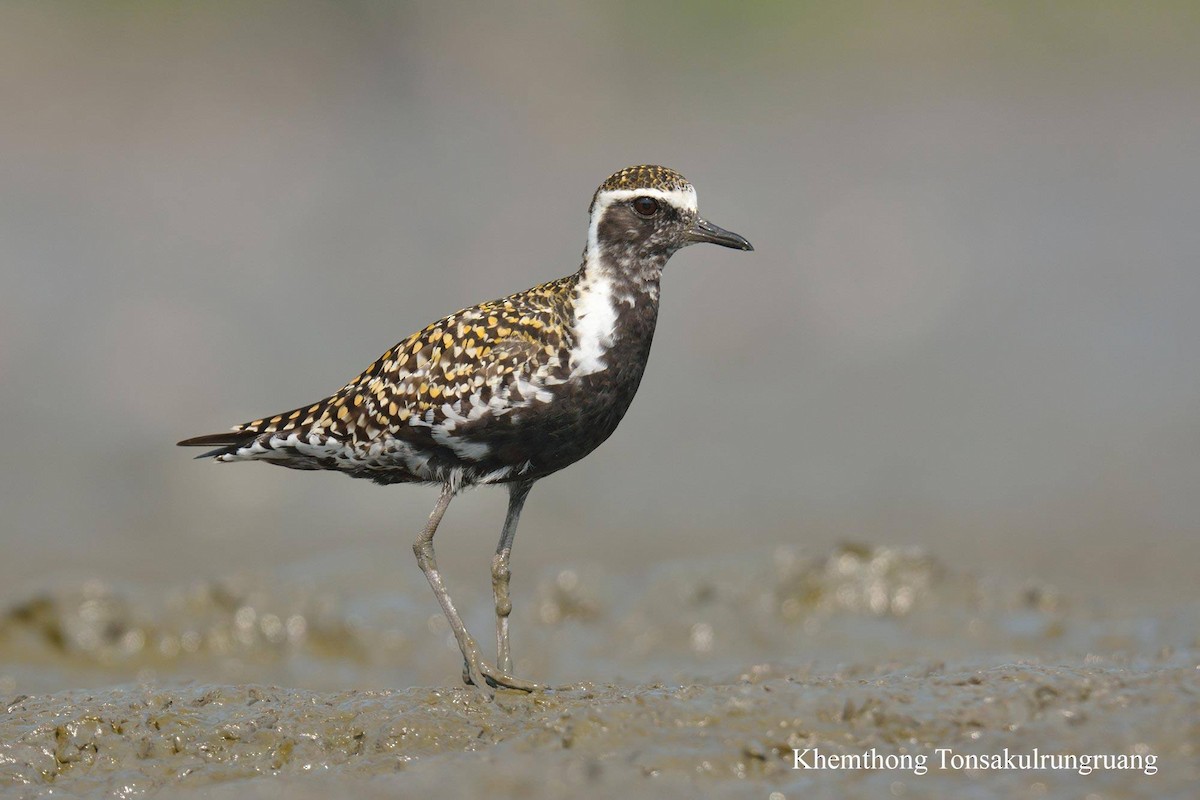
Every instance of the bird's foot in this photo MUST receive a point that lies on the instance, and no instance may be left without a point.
(486, 678)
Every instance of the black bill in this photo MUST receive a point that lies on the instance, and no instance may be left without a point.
(705, 231)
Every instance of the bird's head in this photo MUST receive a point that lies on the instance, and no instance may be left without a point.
(647, 213)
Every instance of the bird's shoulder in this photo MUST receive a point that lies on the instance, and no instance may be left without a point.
(488, 340)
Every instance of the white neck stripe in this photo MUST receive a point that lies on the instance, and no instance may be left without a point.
(595, 301)
(595, 324)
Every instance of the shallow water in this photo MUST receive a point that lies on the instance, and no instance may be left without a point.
(707, 675)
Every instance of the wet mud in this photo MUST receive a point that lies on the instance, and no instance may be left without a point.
(706, 678)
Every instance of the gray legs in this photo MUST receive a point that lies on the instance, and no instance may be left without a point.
(517, 492)
(475, 668)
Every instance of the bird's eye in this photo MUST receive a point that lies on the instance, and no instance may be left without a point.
(645, 206)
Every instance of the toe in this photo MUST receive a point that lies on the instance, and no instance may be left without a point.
(498, 679)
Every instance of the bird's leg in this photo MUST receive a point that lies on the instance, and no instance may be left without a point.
(517, 492)
(479, 672)
(427, 561)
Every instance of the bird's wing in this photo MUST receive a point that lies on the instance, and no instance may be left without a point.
(471, 366)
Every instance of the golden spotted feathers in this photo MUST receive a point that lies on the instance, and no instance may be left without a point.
(443, 369)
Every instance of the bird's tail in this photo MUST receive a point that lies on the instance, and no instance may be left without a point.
(227, 443)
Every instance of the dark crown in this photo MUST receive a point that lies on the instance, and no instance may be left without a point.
(646, 176)
(643, 176)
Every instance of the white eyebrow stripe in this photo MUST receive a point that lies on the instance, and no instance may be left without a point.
(679, 198)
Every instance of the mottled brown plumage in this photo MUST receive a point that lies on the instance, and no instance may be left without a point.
(461, 372)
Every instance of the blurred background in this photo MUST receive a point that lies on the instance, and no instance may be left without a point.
(970, 323)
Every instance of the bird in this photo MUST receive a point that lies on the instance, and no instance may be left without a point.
(504, 393)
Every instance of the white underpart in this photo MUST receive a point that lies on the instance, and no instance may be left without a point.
(596, 302)
(595, 321)
(531, 390)
(463, 448)
(453, 415)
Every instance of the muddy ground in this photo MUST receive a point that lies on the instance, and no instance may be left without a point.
(694, 678)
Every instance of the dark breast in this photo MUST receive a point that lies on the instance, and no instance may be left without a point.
(584, 411)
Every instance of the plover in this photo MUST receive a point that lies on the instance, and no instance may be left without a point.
(505, 392)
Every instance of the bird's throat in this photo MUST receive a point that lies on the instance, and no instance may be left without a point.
(615, 308)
